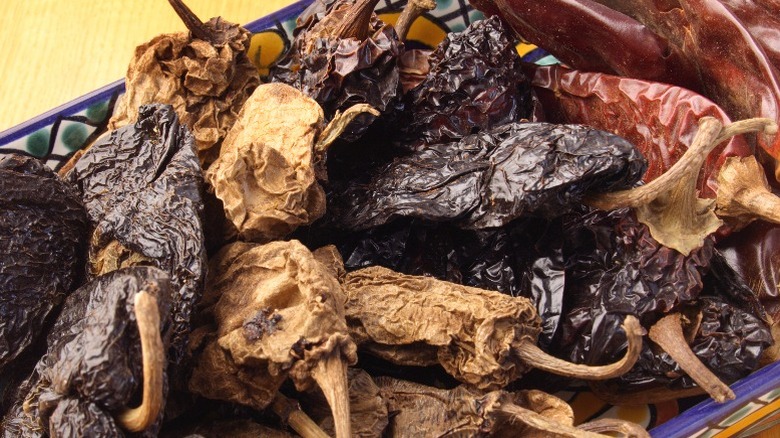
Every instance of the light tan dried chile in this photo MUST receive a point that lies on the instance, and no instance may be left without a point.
(266, 174)
(423, 321)
(482, 338)
(277, 313)
(206, 82)
(420, 410)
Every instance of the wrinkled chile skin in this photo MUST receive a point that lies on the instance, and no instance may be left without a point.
(488, 179)
(142, 186)
(43, 239)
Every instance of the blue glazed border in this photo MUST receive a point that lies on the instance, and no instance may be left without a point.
(708, 413)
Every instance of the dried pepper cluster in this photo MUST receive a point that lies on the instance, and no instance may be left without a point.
(499, 218)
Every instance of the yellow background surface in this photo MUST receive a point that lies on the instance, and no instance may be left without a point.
(56, 50)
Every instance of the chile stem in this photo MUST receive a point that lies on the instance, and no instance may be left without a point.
(356, 20)
(744, 194)
(413, 9)
(331, 376)
(668, 334)
(292, 414)
(614, 425)
(534, 356)
(153, 355)
(193, 23)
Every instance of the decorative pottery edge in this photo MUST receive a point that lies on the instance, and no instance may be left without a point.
(758, 396)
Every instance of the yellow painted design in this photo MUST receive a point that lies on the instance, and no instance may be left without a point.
(635, 414)
(424, 30)
(524, 48)
(585, 405)
(750, 419)
(265, 48)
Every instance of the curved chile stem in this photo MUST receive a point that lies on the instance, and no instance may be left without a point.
(744, 193)
(668, 334)
(357, 20)
(331, 376)
(534, 356)
(514, 413)
(291, 413)
(193, 23)
(613, 425)
(148, 319)
(413, 9)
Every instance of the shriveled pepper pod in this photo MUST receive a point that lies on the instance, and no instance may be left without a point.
(205, 74)
(474, 83)
(141, 185)
(345, 57)
(43, 237)
(267, 171)
(489, 179)
(661, 120)
(277, 314)
(483, 338)
(106, 347)
(423, 410)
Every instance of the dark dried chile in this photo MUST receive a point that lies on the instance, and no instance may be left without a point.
(753, 253)
(474, 83)
(93, 367)
(43, 236)
(141, 187)
(344, 57)
(614, 268)
(729, 340)
(491, 178)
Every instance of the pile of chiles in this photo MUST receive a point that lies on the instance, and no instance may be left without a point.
(376, 240)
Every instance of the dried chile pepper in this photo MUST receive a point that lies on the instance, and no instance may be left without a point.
(277, 313)
(344, 57)
(483, 338)
(43, 237)
(491, 178)
(591, 37)
(266, 174)
(659, 120)
(523, 258)
(205, 74)
(474, 83)
(751, 253)
(728, 339)
(141, 186)
(107, 340)
(425, 410)
(732, 68)
(763, 23)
